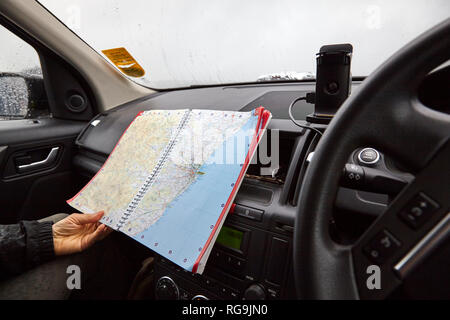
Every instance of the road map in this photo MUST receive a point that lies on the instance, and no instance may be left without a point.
(167, 180)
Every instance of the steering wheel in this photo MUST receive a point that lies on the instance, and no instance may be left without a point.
(386, 114)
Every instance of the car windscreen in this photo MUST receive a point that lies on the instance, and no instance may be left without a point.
(175, 43)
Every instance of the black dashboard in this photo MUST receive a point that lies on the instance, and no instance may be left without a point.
(102, 137)
(260, 266)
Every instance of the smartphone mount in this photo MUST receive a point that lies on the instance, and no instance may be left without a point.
(333, 81)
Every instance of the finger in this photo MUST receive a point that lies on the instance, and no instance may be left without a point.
(89, 217)
(101, 233)
(105, 229)
(104, 233)
(108, 230)
(96, 235)
(92, 237)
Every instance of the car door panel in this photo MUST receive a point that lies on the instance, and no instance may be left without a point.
(36, 174)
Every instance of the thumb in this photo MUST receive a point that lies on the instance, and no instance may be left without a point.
(90, 217)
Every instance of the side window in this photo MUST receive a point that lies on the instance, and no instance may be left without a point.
(22, 93)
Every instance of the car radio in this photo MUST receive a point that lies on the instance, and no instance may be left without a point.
(251, 259)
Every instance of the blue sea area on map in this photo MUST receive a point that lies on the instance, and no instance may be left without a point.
(185, 226)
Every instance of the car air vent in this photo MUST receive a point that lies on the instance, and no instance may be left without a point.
(304, 144)
(303, 165)
(269, 167)
(288, 170)
(250, 190)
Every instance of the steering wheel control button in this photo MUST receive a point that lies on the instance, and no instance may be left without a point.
(418, 211)
(381, 247)
(368, 156)
(353, 175)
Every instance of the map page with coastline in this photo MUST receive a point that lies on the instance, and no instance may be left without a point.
(172, 177)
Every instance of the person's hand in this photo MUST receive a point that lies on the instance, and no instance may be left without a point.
(78, 232)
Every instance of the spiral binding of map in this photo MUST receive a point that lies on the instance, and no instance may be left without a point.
(151, 178)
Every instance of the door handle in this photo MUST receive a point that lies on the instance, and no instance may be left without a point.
(51, 157)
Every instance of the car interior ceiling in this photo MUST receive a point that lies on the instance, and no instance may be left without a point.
(266, 260)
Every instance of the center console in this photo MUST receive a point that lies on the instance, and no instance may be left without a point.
(252, 257)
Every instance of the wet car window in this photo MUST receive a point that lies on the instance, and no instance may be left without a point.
(18, 63)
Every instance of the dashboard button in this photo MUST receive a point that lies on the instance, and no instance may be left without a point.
(218, 257)
(184, 295)
(209, 283)
(221, 290)
(249, 213)
(368, 156)
(238, 263)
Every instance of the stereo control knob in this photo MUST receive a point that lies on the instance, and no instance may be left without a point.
(166, 289)
(255, 292)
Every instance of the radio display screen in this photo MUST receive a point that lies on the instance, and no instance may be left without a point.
(230, 238)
